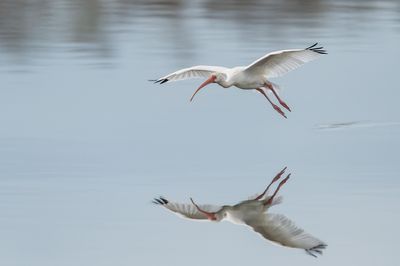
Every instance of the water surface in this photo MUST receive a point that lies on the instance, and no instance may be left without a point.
(86, 141)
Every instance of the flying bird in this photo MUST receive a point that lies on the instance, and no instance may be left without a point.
(252, 77)
(254, 214)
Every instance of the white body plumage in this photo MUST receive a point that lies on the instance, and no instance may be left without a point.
(252, 77)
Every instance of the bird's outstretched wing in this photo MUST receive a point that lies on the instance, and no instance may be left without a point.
(278, 63)
(279, 229)
(186, 210)
(191, 72)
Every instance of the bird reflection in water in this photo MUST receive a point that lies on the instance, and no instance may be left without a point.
(253, 213)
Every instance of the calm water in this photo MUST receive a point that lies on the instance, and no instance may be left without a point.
(86, 141)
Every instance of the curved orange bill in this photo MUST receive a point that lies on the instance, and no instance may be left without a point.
(205, 83)
(210, 215)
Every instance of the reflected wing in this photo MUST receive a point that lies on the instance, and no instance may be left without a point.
(281, 230)
(192, 72)
(186, 210)
(278, 63)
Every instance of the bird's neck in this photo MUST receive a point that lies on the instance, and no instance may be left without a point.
(225, 83)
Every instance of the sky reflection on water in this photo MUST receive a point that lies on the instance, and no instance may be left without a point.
(87, 141)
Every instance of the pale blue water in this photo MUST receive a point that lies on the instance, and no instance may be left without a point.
(86, 141)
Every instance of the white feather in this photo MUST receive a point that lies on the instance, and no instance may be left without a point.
(278, 63)
(279, 229)
(193, 72)
(188, 210)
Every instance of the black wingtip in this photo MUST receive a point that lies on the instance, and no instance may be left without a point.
(164, 200)
(315, 44)
(161, 81)
(160, 201)
(157, 201)
(319, 50)
(310, 253)
(317, 250)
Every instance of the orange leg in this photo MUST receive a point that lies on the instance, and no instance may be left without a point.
(276, 107)
(269, 201)
(276, 178)
(277, 96)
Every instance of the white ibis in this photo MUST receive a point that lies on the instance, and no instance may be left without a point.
(252, 77)
(253, 213)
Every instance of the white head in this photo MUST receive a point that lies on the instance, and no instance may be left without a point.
(220, 78)
(221, 214)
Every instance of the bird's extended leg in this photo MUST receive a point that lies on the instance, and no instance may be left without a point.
(269, 201)
(276, 107)
(276, 178)
(210, 215)
(269, 86)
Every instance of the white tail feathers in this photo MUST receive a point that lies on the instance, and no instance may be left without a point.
(277, 200)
